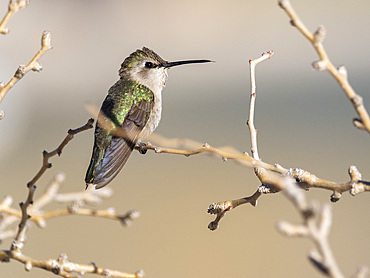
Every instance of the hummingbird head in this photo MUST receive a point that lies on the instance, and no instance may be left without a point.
(149, 69)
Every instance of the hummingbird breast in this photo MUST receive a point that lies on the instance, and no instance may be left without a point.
(155, 116)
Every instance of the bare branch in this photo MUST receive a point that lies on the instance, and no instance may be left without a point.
(58, 151)
(221, 208)
(32, 65)
(75, 202)
(304, 179)
(339, 74)
(316, 224)
(63, 267)
(250, 122)
(17, 243)
(362, 272)
(13, 7)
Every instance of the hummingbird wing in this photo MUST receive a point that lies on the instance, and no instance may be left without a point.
(131, 113)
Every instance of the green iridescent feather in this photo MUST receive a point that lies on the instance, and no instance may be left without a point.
(128, 105)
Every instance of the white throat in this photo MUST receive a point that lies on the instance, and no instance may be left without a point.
(155, 81)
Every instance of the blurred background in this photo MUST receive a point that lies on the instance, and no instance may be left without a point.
(303, 119)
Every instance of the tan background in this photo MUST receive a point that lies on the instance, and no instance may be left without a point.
(303, 119)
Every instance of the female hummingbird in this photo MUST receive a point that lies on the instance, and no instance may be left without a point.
(133, 103)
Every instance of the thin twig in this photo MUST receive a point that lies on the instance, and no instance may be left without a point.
(74, 200)
(63, 267)
(32, 65)
(339, 74)
(13, 7)
(250, 122)
(316, 225)
(18, 241)
(221, 208)
(304, 178)
(58, 151)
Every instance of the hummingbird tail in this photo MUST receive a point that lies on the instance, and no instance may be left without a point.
(103, 171)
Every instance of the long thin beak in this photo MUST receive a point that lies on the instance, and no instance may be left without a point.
(178, 63)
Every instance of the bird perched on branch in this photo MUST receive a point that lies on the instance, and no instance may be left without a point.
(134, 106)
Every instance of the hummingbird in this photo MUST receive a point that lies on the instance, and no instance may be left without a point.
(133, 103)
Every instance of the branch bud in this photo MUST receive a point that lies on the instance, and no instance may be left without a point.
(20, 72)
(357, 101)
(354, 173)
(28, 266)
(219, 207)
(290, 230)
(36, 66)
(62, 258)
(127, 218)
(343, 71)
(320, 33)
(46, 40)
(357, 188)
(284, 4)
(358, 123)
(16, 5)
(319, 65)
(140, 273)
(335, 197)
(213, 225)
(4, 30)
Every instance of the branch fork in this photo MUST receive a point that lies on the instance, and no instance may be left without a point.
(339, 74)
(13, 7)
(27, 213)
(32, 65)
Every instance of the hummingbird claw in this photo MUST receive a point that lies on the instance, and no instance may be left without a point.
(141, 146)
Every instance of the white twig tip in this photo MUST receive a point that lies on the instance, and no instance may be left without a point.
(140, 273)
(46, 40)
(285, 4)
(16, 5)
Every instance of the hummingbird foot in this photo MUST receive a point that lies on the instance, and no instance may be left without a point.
(141, 147)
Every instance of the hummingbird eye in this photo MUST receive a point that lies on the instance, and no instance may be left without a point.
(149, 65)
